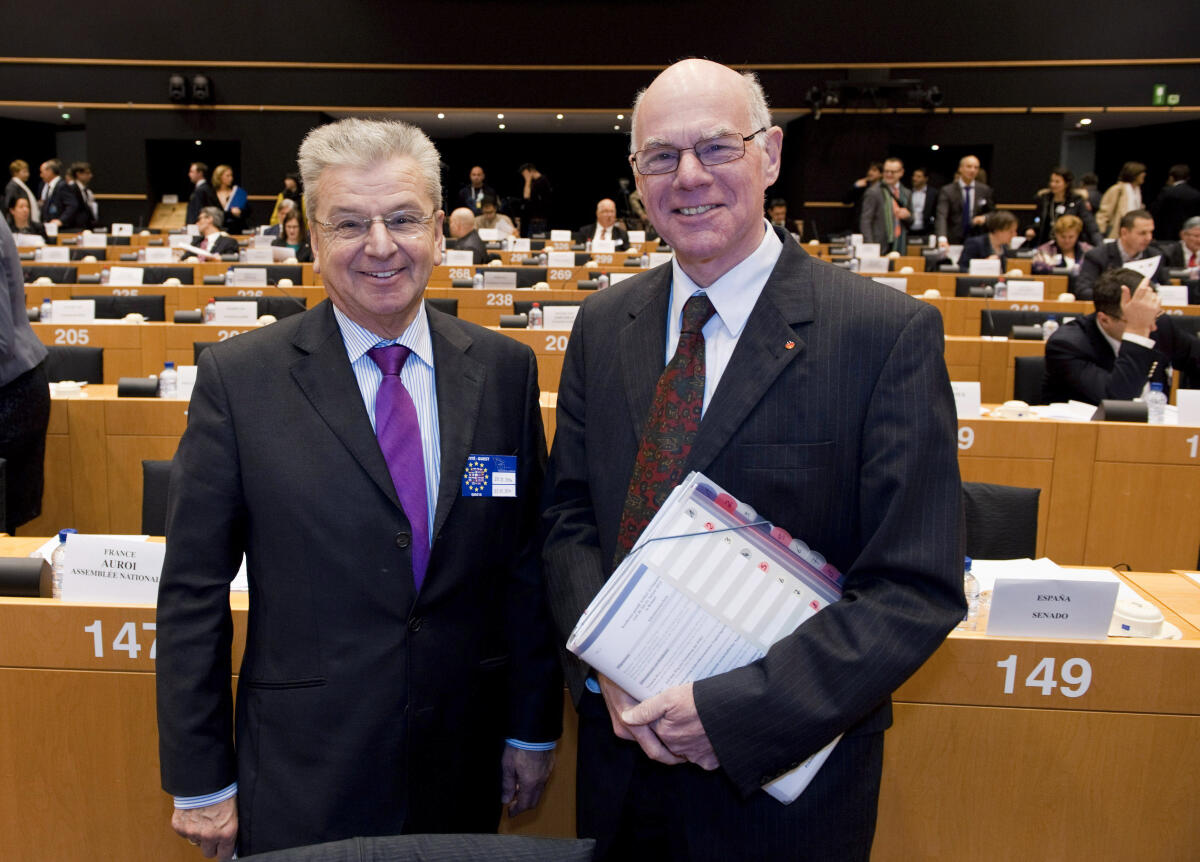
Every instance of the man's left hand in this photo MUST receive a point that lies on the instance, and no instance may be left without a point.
(673, 717)
(523, 777)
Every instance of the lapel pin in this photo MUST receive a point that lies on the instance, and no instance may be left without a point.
(788, 345)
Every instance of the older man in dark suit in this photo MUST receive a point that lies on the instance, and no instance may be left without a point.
(816, 396)
(886, 210)
(56, 198)
(203, 194)
(962, 205)
(379, 464)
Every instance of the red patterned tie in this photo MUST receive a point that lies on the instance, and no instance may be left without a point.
(670, 426)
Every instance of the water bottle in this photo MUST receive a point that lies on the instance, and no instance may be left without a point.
(477, 281)
(602, 281)
(645, 261)
(168, 381)
(588, 244)
(1049, 327)
(971, 591)
(1000, 291)
(44, 315)
(535, 316)
(1156, 404)
(141, 254)
(105, 275)
(210, 310)
(229, 276)
(58, 562)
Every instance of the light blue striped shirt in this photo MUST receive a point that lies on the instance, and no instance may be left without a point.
(420, 380)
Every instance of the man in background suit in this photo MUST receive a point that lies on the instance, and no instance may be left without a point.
(1116, 352)
(471, 195)
(924, 204)
(464, 237)
(203, 194)
(1185, 251)
(951, 224)
(1176, 203)
(827, 407)
(55, 199)
(886, 211)
(380, 464)
(1133, 242)
(81, 207)
(211, 239)
(604, 227)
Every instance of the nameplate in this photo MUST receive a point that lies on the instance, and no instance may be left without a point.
(178, 240)
(856, 240)
(1187, 401)
(517, 243)
(51, 229)
(559, 316)
(54, 254)
(1146, 267)
(658, 258)
(498, 280)
(262, 255)
(617, 277)
(72, 310)
(87, 239)
(459, 257)
(1173, 294)
(867, 249)
(261, 241)
(186, 381)
(984, 266)
(560, 259)
(248, 276)
(900, 284)
(1026, 291)
(236, 312)
(489, 234)
(967, 399)
(1073, 603)
(872, 264)
(28, 240)
(604, 246)
(170, 199)
(637, 237)
(158, 254)
(123, 276)
(560, 236)
(120, 228)
(108, 569)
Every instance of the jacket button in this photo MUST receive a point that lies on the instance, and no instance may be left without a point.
(414, 625)
(403, 540)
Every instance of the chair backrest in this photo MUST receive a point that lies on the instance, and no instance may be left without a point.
(446, 306)
(1001, 520)
(156, 476)
(964, 283)
(109, 307)
(199, 347)
(1000, 321)
(159, 274)
(75, 363)
(1029, 372)
(58, 274)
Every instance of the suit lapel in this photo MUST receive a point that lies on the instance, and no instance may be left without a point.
(642, 345)
(761, 354)
(326, 379)
(460, 382)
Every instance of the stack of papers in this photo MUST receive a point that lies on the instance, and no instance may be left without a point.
(707, 589)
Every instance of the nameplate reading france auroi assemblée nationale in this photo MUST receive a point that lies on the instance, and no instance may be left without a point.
(110, 569)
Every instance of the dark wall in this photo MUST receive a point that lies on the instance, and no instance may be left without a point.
(1157, 147)
(20, 139)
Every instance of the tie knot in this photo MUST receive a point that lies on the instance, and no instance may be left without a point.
(390, 359)
(696, 312)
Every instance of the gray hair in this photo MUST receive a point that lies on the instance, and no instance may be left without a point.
(1193, 222)
(756, 101)
(216, 214)
(362, 143)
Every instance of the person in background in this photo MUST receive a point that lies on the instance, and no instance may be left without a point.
(1059, 198)
(491, 217)
(604, 227)
(24, 395)
(202, 192)
(212, 241)
(1175, 204)
(284, 207)
(777, 215)
(1090, 183)
(20, 219)
(233, 199)
(1066, 250)
(854, 195)
(924, 205)
(886, 210)
(1001, 227)
(472, 194)
(294, 235)
(1185, 251)
(1123, 196)
(16, 188)
(963, 205)
(464, 236)
(293, 191)
(536, 199)
(82, 210)
(1134, 237)
(56, 199)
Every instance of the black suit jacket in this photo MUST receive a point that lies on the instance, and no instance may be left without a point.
(980, 247)
(948, 221)
(77, 215)
(1174, 254)
(466, 197)
(1173, 206)
(221, 244)
(203, 195)
(1107, 256)
(60, 202)
(929, 212)
(834, 419)
(472, 243)
(363, 708)
(1080, 363)
(618, 235)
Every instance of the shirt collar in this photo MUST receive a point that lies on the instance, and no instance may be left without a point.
(733, 295)
(359, 340)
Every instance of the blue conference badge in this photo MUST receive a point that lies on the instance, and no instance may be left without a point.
(490, 476)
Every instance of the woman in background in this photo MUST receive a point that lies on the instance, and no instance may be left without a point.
(294, 191)
(1122, 196)
(1058, 200)
(20, 219)
(233, 198)
(294, 236)
(1066, 250)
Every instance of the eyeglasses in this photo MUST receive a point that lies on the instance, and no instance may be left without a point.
(400, 224)
(709, 152)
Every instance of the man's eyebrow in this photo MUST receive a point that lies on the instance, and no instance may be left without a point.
(715, 132)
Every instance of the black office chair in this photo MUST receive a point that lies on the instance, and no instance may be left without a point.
(109, 307)
(75, 363)
(199, 347)
(59, 274)
(446, 306)
(975, 285)
(1001, 520)
(439, 848)
(997, 321)
(82, 252)
(1029, 372)
(159, 274)
(156, 477)
(279, 306)
(1188, 323)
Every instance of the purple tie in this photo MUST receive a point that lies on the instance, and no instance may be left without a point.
(400, 439)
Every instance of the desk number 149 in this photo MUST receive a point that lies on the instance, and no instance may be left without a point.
(1076, 676)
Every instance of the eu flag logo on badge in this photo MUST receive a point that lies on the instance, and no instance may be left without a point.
(490, 476)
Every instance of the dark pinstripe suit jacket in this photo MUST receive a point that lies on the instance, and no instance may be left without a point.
(834, 419)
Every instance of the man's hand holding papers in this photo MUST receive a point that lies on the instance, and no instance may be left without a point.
(620, 703)
(673, 717)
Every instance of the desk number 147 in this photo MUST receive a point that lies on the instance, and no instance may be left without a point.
(126, 640)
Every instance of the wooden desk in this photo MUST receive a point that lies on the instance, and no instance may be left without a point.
(991, 361)
(969, 771)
